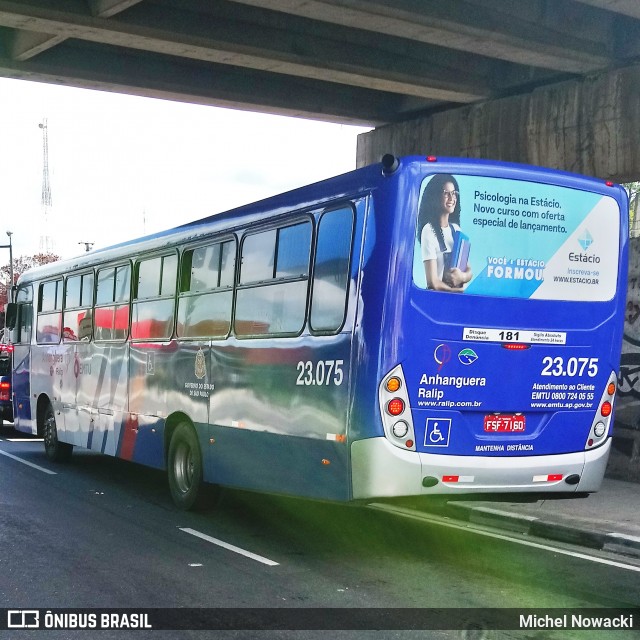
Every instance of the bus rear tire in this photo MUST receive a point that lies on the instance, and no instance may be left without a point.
(185, 471)
(55, 450)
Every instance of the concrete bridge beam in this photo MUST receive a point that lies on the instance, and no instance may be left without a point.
(589, 125)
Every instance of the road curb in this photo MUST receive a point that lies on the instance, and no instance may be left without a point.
(622, 543)
(543, 528)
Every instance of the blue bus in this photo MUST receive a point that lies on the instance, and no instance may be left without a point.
(420, 326)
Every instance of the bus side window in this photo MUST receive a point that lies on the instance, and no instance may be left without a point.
(49, 312)
(24, 298)
(154, 300)
(331, 271)
(206, 291)
(78, 302)
(111, 314)
(274, 280)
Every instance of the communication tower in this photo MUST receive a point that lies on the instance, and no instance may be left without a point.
(46, 243)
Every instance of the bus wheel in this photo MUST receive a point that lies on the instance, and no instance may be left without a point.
(55, 450)
(185, 471)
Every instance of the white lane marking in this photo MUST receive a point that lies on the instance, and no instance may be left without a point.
(29, 464)
(24, 439)
(489, 534)
(230, 547)
(624, 537)
(498, 512)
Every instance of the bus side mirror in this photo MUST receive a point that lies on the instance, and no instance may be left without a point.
(11, 315)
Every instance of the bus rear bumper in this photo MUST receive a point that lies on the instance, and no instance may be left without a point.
(379, 469)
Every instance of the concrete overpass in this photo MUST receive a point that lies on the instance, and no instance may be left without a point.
(554, 82)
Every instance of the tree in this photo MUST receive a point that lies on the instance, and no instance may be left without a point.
(633, 188)
(20, 265)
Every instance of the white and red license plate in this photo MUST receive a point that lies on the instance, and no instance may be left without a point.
(505, 422)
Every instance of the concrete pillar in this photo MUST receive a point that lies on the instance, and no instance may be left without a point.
(589, 125)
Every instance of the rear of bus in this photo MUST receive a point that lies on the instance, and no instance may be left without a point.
(508, 383)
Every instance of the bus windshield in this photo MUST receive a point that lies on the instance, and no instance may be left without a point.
(515, 238)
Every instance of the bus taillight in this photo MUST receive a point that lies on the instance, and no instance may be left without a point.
(5, 391)
(605, 409)
(599, 429)
(515, 346)
(393, 384)
(395, 407)
(400, 429)
(601, 422)
(395, 410)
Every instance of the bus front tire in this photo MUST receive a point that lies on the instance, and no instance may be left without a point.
(188, 490)
(55, 450)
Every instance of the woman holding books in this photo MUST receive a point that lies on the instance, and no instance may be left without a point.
(439, 228)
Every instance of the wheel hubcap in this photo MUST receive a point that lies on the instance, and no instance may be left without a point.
(184, 468)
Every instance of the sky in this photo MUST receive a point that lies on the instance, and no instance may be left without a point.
(122, 166)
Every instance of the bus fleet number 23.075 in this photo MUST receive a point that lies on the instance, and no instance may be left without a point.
(557, 367)
(321, 373)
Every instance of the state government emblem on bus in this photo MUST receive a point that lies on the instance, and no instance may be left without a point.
(201, 365)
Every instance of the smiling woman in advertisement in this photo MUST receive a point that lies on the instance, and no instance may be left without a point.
(438, 229)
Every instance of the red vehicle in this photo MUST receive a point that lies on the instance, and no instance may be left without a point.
(6, 400)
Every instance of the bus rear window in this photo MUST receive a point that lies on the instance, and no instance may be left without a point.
(512, 238)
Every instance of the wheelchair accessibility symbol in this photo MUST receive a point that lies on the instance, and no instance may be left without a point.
(437, 432)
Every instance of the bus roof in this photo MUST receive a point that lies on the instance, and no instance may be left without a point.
(303, 198)
(346, 185)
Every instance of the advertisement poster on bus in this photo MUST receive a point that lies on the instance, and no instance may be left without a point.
(513, 238)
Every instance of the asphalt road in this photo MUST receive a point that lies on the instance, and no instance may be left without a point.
(99, 532)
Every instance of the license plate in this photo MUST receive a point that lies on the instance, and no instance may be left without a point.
(512, 423)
